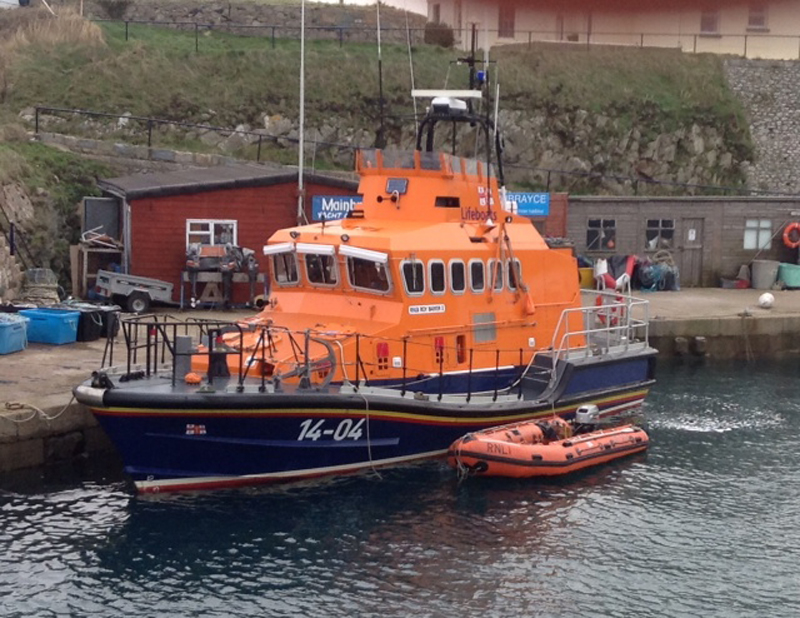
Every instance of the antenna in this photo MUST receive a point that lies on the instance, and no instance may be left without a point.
(380, 139)
(301, 191)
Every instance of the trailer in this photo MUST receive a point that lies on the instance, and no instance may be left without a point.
(132, 292)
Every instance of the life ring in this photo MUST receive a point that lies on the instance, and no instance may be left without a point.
(611, 315)
(787, 235)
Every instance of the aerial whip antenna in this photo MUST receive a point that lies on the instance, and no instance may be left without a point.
(301, 211)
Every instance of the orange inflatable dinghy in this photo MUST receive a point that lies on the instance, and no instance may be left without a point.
(542, 448)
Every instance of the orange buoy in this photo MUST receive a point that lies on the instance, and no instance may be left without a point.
(192, 378)
(787, 235)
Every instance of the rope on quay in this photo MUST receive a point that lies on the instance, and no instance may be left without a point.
(13, 407)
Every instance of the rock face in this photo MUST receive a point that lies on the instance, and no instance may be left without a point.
(768, 90)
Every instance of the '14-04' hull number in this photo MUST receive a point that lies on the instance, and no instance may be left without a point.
(346, 429)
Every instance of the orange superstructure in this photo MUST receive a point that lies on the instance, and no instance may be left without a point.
(431, 270)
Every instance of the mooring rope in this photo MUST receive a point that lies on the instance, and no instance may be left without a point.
(15, 406)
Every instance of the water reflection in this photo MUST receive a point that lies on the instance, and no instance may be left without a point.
(697, 526)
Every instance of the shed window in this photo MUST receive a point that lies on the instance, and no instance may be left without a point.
(601, 235)
(212, 231)
(458, 277)
(659, 234)
(758, 234)
(414, 277)
(476, 276)
(437, 277)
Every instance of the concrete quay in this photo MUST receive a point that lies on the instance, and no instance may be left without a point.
(40, 423)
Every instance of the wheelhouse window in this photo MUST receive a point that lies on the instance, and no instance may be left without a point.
(284, 268)
(659, 234)
(212, 232)
(438, 281)
(458, 277)
(709, 22)
(477, 276)
(505, 28)
(601, 235)
(321, 269)
(758, 234)
(757, 17)
(413, 277)
(367, 275)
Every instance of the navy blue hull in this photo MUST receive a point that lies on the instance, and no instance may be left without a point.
(184, 440)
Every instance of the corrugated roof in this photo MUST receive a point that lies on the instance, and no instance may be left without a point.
(197, 180)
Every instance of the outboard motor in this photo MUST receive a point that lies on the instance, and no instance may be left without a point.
(587, 418)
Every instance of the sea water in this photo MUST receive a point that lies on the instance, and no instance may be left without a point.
(704, 524)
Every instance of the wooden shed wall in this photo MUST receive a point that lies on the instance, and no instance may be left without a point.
(158, 225)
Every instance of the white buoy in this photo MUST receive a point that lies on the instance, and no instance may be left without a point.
(766, 300)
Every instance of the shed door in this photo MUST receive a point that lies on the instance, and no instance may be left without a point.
(691, 260)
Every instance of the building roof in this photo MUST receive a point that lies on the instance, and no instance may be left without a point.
(200, 179)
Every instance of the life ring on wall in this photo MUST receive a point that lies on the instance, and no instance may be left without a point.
(612, 315)
(787, 235)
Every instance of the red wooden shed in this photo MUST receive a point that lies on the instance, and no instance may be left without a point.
(156, 216)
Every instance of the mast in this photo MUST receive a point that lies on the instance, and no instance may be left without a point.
(301, 212)
(380, 139)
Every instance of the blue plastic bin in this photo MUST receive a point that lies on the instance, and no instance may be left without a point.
(56, 326)
(13, 334)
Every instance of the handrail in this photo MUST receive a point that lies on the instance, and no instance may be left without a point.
(154, 337)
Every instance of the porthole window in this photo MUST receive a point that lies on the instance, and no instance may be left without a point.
(477, 279)
(413, 277)
(438, 280)
(496, 272)
(458, 277)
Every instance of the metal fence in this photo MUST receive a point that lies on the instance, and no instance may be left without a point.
(750, 44)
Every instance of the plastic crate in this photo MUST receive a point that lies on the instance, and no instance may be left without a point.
(55, 326)
(13, 334)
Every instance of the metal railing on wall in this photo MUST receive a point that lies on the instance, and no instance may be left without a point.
(762, 44)
(275, 32)
(549, 175)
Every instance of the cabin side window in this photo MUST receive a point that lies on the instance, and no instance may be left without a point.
(458, 277)
(367, 275)
(284, 268)
(436, 274)
(514, 271)
(413, 277)
(477, 279)
(496, 274)
(321, 269)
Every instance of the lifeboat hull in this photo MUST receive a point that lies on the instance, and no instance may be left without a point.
(496, 452)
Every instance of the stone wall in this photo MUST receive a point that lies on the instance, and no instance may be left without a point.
(768, 90)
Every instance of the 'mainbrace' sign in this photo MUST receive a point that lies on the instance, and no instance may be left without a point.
(328, 207)
(529, 204)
